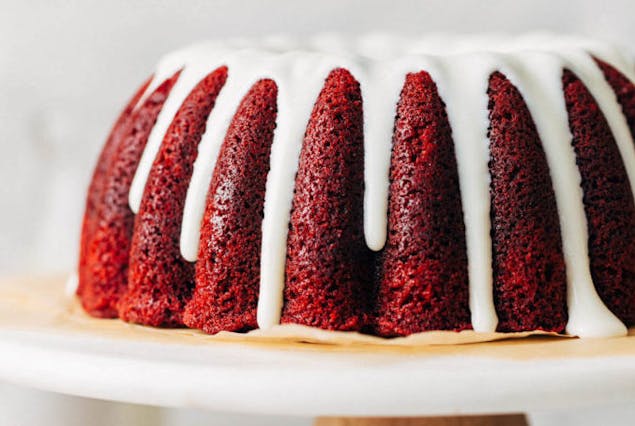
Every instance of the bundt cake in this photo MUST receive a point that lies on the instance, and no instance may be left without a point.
(379, 184)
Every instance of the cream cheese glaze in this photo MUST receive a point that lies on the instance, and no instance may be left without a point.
(460, 67)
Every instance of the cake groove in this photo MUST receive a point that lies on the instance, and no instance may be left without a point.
(608, 200)
(329, 268)
(422, 272)
(160, 281)
(228, 266)
(528, 264)
(107, 236)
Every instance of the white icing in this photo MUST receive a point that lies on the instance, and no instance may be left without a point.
(381, 86)
(195, 62)
(71, 285)
(538, 78)
(465, 96)
(460, 67)
(296, 95)
(238, 82)
(588, 72)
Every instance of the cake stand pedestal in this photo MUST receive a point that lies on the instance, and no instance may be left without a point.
(47, 344)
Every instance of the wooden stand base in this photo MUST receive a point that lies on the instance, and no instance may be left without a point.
(502, 420)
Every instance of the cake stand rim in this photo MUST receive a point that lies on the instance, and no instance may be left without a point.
(241, 378)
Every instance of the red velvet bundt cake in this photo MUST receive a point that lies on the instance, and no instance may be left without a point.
(383, 185)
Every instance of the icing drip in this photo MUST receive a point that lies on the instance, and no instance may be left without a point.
(296, 95)
(196, 64)
(70, 287)
(538, 78)
(460, 68)
(466, 100)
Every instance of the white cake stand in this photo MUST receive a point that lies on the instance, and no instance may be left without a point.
(42, 347)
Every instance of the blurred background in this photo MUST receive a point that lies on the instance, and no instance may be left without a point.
(66, 69)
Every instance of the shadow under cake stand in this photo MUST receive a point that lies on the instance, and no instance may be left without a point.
(48, 344)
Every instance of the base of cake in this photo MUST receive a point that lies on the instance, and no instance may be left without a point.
(47, 343)
(30, 294)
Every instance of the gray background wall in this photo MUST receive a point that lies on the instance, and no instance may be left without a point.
(67, 67)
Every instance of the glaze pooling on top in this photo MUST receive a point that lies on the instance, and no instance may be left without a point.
(460, 67)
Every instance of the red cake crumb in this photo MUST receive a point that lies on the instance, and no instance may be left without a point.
(103, 271)
(608, 200)
(530, 288)
(624, 90)
(95, 189)
(93, 199)
(228, 266)
(329, 268)
(422, 273)
(160, 280)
